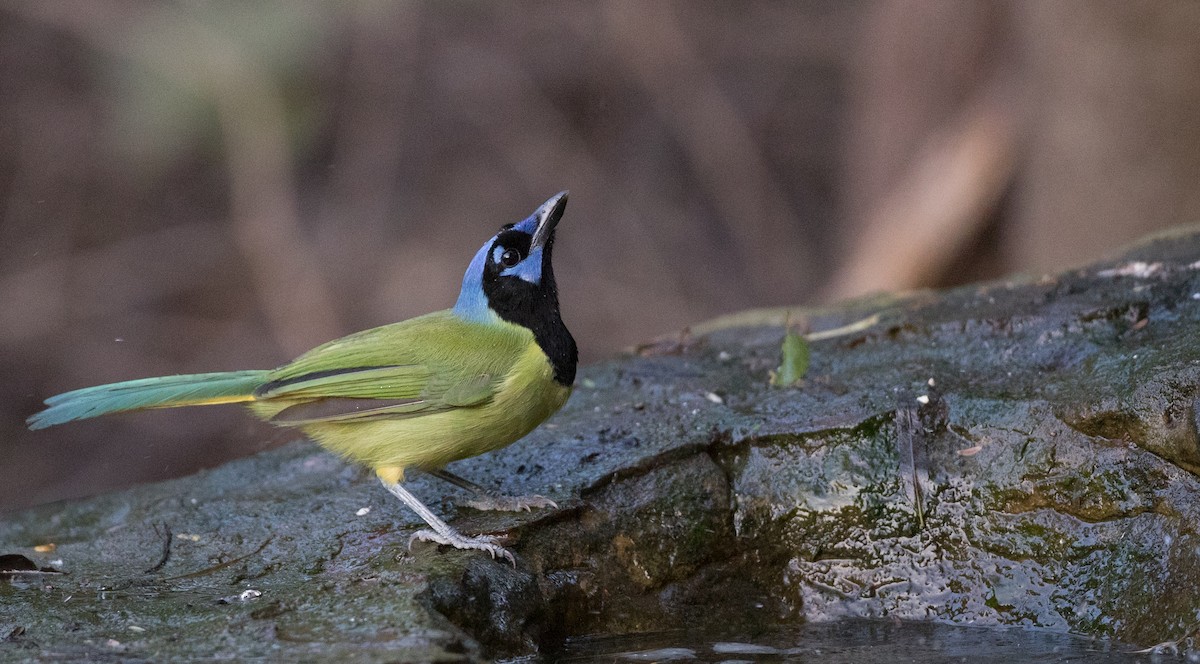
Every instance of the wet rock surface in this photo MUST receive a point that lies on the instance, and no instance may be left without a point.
(1008, 454)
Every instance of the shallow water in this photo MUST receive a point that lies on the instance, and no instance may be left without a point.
(854, 642)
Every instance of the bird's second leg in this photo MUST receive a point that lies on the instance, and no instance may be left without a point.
(441, 532)
(486, 500)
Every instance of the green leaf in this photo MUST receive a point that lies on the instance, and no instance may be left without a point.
(794, 363)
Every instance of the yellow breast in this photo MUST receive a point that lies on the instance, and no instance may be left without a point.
(527, 396)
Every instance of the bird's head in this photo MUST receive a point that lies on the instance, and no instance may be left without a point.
(511, 276)
(511, 279)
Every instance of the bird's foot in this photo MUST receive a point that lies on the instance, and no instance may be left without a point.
(488, 543)
(510, 503)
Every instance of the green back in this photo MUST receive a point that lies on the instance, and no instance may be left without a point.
(425, 364)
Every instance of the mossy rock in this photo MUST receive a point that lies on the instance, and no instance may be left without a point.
(1014, 453)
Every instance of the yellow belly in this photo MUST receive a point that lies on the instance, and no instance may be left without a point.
(527, 397)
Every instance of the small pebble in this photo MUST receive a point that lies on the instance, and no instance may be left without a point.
(363, 511)
(923, 399)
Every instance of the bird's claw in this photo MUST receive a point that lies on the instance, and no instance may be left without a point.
(487, 543)
(511, 503)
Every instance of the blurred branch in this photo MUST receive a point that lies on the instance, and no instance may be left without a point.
(939, 206)
(164, 39)
(368, 143)
(715, 137)
(538, 141)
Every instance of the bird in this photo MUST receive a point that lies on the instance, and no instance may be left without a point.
(412, 395)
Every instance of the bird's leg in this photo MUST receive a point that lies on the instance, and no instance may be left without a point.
(486, 500)
(442, 533)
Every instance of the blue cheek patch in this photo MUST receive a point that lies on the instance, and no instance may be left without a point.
(529, 269)
(472, 303)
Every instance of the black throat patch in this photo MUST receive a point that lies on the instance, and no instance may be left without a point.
(534, 306)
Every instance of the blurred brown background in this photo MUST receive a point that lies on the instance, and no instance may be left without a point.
(202, 186)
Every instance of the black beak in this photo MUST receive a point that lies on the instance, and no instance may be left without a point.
(547, 218)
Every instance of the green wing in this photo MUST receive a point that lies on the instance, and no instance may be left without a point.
(420, 366)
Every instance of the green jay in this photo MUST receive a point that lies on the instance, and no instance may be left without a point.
(417, 394)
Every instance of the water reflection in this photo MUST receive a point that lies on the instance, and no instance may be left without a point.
(854, 642)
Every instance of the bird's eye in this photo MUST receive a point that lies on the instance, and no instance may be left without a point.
(510, 257)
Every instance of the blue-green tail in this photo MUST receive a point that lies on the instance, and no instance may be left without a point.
(162, 392)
